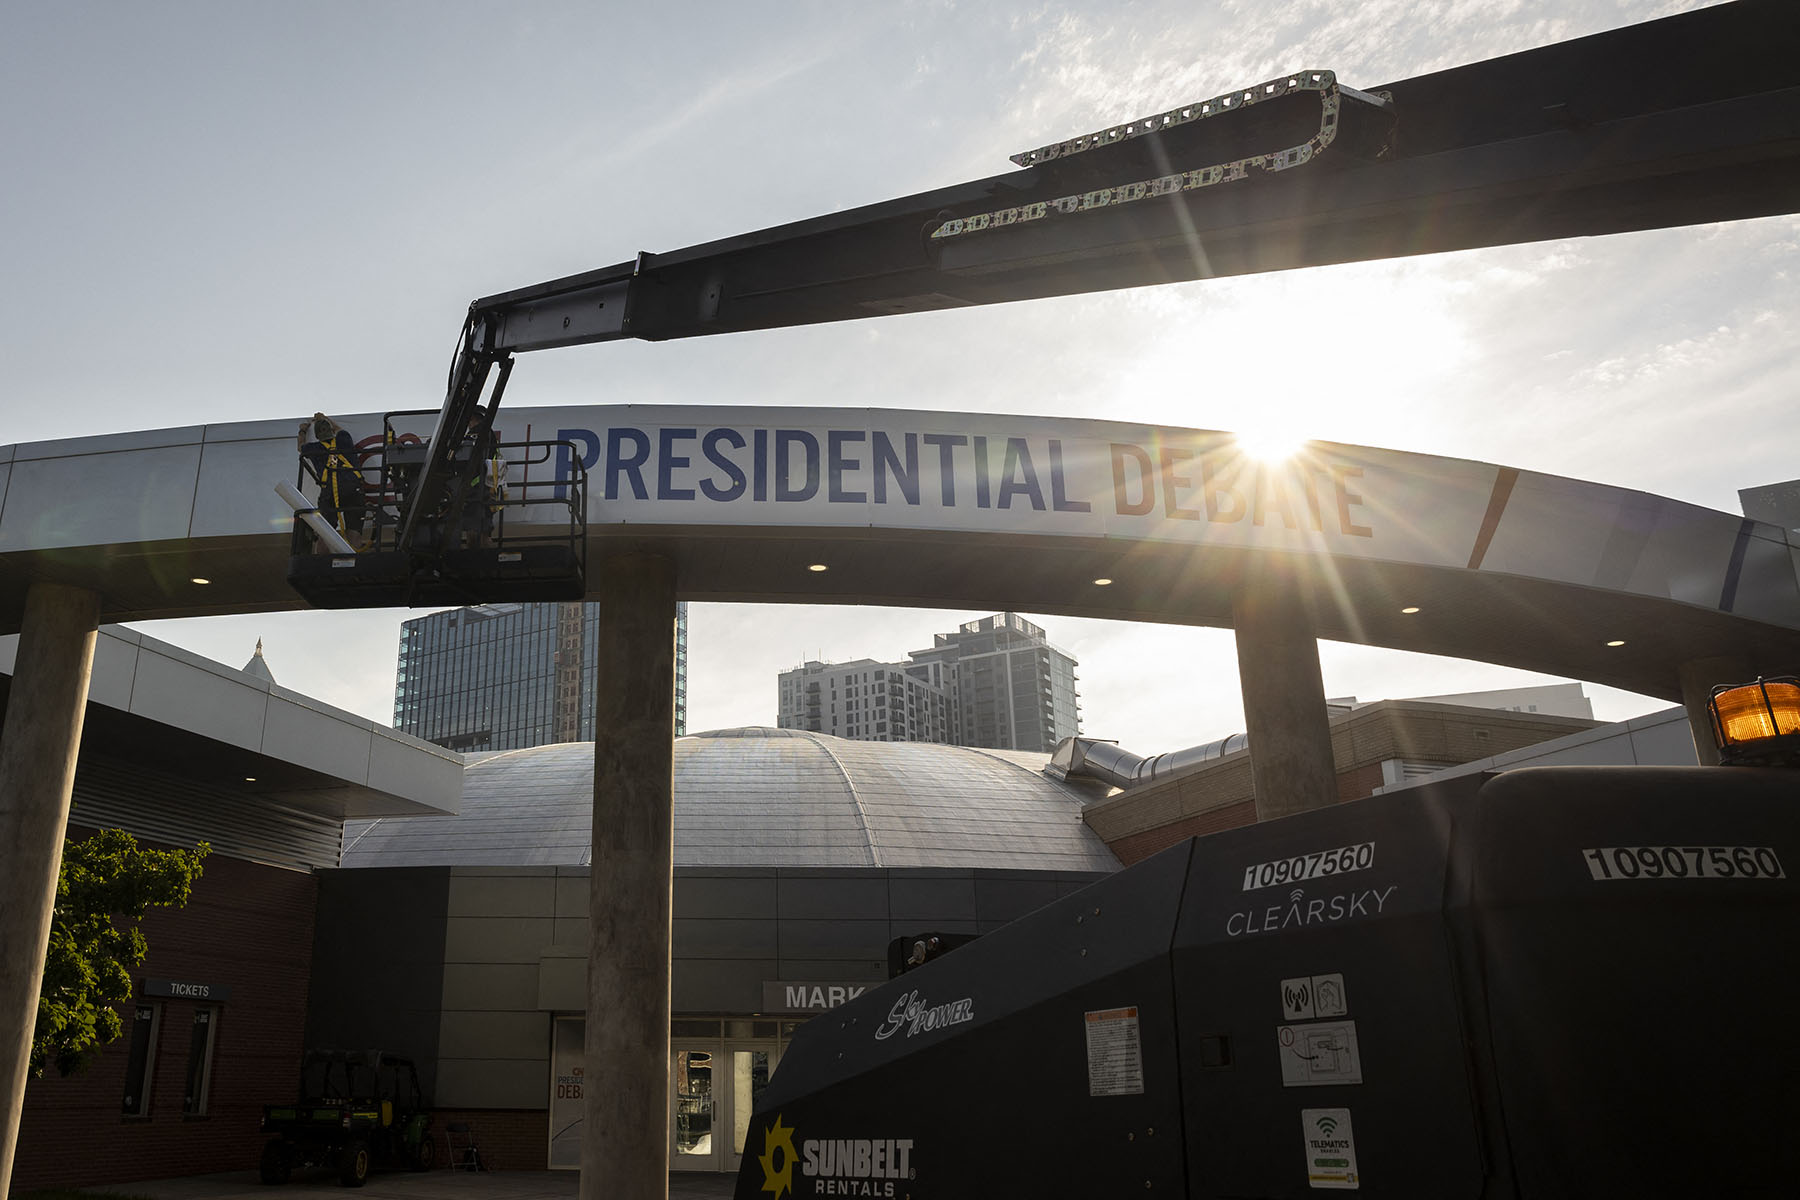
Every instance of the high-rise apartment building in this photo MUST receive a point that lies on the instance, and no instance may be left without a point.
(996, 682)
(508, 676)
(868, 701)
(1014, 690)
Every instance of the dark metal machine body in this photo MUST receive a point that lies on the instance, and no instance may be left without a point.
(1556, 982)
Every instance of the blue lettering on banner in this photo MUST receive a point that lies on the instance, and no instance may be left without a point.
(1161, 481)
(667, 461)
(1018, 476)
(785, 441)
(905, 472)
(618, 463)
(1059, 487)
(946, 444)
(839, 462)
(590, 455)
(734, 474)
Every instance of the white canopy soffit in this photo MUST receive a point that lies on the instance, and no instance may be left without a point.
(965, 510)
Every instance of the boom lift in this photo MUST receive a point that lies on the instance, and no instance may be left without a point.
(1506, 988)
(1694, 118)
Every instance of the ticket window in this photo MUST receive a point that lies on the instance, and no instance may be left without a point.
(140, 1062)
(201, 1040)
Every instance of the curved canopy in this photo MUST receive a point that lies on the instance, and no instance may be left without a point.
(966, 510)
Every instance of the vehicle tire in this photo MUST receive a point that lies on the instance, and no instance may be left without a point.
(353, 1165)
(424, 1155)
(276, 1163)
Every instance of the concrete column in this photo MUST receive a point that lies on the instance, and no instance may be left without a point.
(625, 1136)
(1284, 702)
(1698, 678)
(37, 772)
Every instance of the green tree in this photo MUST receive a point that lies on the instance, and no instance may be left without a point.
(106, 885)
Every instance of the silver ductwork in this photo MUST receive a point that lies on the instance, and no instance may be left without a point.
(1107, 761)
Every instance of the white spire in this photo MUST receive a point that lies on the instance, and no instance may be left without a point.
(257, 667)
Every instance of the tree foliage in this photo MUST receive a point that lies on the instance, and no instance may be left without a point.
(108, 882)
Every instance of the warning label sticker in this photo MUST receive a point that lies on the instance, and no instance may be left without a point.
(1319, 1054)
(1330, 1148)
(1115, 1055)
(1311, 996)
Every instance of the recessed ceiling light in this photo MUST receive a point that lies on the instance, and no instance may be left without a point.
(1102, 583)
(197, 579)
(249, 779)
(818, 567)
(1616, 642)
(1410, 609)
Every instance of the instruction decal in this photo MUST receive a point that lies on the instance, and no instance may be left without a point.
(1330, 1148)
(1319, 1054)
(1115, 1054)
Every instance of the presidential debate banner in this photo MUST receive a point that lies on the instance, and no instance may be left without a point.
(718, 468)
(906, 470)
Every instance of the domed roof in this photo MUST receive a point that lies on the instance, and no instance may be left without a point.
(757, 797)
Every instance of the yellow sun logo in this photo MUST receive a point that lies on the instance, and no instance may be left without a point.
(778, 1138)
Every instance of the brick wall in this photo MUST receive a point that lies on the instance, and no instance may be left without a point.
(1221, 793)
(509, 1139)
(1138, 846)
(1358, 782)
(247, 927)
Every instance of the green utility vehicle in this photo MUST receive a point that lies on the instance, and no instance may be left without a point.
(358, 1109)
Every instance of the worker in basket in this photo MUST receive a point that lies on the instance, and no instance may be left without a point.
(330, 456)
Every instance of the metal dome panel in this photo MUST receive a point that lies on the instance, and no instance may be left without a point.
(765, 798)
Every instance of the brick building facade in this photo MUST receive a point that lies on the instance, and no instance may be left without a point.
(1372, 746)
(247, 933)
(177, 750)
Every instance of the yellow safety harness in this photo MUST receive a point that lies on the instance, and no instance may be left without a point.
(336, 465)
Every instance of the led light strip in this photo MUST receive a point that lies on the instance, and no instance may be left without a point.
(1322, 82)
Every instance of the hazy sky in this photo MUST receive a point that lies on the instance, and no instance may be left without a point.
(252, 210)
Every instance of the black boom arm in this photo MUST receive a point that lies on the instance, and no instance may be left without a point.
(1686, 120)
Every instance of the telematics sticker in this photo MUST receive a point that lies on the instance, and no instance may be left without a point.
(1316, 865)
(1330, 1148)
(1683, 862)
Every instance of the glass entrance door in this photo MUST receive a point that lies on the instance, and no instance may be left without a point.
(695, 1119)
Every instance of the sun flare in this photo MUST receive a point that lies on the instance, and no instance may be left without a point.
(1269, 445)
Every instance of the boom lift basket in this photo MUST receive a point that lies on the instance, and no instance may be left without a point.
(516, 532)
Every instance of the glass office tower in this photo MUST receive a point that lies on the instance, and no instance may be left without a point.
(507, 676)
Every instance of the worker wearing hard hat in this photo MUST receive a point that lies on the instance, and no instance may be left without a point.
(330, 457)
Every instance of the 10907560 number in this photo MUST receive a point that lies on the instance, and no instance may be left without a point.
(1683, 862)
(1315, 865)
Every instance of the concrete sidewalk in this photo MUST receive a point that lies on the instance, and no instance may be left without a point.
(405, 1185)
